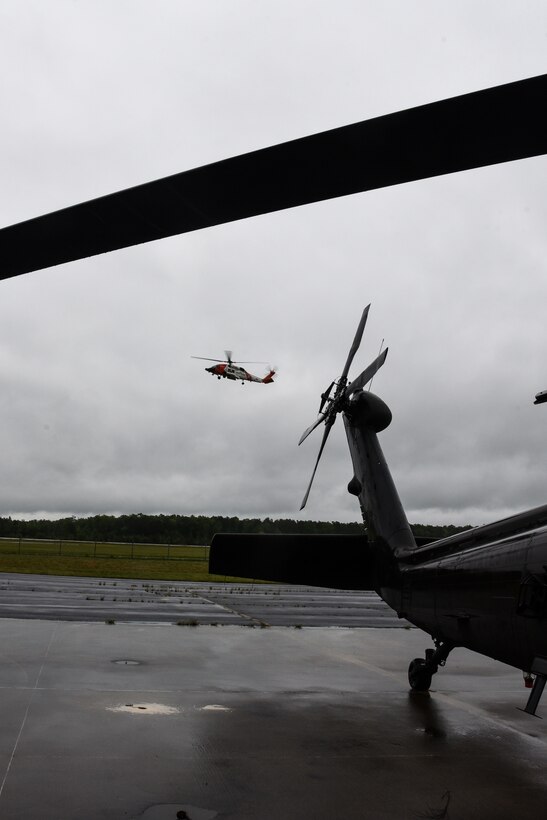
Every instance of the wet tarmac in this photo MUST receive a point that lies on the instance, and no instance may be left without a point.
(123, 600)
(156, 722)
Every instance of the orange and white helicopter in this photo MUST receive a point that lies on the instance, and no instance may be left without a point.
(227, 369)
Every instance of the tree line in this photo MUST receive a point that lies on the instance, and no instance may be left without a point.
(181, 529)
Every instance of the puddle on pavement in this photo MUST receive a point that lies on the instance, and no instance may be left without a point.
(145, 709)
(214, 707)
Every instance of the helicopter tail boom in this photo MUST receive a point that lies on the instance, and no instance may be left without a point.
(383, 514)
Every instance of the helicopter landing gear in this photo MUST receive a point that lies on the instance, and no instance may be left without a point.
(539, 669)
(421, 671)
(419, 677)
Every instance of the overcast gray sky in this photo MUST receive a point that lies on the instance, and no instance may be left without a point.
(102, 410)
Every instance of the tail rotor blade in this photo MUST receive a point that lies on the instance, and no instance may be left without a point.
(366, 375)
(356, 342)
(339, 402)
(325, 397)
(328, 427)
(310, 429)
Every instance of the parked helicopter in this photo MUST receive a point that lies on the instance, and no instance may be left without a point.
(484, 589)
(227, 369)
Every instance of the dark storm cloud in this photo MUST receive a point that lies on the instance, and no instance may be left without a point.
(101, 407)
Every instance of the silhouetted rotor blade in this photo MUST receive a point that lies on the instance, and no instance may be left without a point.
(305, 434)
(328, 428)
(355, 346)
(325, 396)
(367, 374)
(485, 127)
(206, 359)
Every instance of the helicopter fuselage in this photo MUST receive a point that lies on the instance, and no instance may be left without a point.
(232, 372)
(484, 589)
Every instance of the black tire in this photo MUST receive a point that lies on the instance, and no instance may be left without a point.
(419, 677)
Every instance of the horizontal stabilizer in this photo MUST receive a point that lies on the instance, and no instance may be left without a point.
(335, 561)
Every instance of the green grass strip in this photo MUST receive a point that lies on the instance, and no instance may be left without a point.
(165, 570)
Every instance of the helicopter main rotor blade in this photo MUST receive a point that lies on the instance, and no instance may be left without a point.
(367, 374)
(487, 127)
(328, 427)
(355, 346)
(206, 359)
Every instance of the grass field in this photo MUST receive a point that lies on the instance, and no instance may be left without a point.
(102, 549)
(106, 560)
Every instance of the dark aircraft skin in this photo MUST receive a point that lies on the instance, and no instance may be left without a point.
(485, 589)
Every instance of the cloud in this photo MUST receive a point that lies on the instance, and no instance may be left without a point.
(101, 407)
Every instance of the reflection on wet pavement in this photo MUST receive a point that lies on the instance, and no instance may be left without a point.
(189, 604)
(257, 724)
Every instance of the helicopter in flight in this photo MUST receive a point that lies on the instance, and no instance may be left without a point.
(227, 369)
(484, 589)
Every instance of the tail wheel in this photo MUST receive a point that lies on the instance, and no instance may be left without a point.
(419, 676)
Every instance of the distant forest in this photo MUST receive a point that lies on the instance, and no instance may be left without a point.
(180, 529)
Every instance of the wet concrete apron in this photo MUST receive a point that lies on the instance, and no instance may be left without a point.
(157, 722)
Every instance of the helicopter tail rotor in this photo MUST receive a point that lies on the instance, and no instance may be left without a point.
(325, 397)
(270, 373)
(330, 407)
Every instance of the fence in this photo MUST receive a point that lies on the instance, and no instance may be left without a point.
(102, 549)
